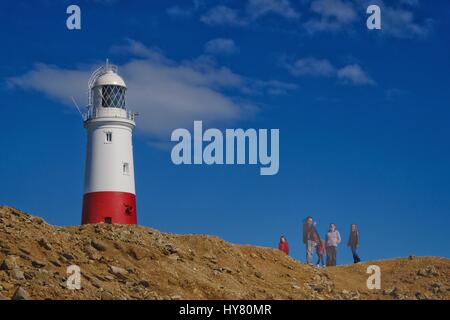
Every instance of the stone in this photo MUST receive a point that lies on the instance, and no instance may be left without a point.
(174, 257)
(144, 283)
(437, 288)
(21, 294)
(390, 292)
(29, 275)
(37, 263)
(55, 263)
(106, 295)
(136, 254)
(429, 271)
(421, 296)
(355, 295)
(26, 257)
(118, 272)
(96, 283)
(211, 258)
(5, 248)
(100, 246)
(45, 244)
(169, 249)
(9, 263)
(18, 274)
(67, 255)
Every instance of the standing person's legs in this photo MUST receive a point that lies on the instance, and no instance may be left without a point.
(309, 251)
(356, 258)
(328, 249)
(332, 256)
(335, 256)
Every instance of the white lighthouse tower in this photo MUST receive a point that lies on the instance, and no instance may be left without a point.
(109, 191)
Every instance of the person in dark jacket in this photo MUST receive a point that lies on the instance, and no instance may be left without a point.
(310, 235)
(353, 242)
(283, 245)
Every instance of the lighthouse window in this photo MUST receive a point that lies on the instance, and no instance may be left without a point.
(113, 96)
(126, 168)
(108, 136)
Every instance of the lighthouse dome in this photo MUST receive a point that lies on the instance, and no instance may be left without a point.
(109, 78)
(107, 88)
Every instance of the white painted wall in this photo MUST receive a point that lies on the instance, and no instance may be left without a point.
(104, 160)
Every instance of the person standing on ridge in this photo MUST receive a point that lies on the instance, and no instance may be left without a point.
(353, 242)
(310, 235)
(332, 240)
(321, 253)
(283, 245)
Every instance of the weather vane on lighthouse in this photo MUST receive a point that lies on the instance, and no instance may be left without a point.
(109, 191)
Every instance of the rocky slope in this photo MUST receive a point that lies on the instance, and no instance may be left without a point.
(133, 262)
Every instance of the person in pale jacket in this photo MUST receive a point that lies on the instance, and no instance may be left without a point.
(332, 240)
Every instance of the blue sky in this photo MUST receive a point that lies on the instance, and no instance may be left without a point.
(363, 115)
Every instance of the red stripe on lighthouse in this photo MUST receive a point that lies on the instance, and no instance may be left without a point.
(109, 207)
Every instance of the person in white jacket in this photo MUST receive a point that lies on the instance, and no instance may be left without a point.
(332, 239)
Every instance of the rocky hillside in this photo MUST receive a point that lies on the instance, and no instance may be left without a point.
(133, 262)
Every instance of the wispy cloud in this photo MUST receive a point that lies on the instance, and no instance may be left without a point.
(354, 74)
(167, 94)
(259, 8)
(330, 15)
(349, 74)
(401, 23)
(177, 11)
(399, 18)
(222, 15)
(312, 67)
(221, 46)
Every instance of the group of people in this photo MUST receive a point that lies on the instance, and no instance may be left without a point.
(328, 246)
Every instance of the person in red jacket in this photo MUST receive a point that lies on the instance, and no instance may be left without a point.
(283, 245)
(320, 253)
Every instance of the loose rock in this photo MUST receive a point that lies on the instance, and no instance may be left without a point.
(21, 294)
(100, 246)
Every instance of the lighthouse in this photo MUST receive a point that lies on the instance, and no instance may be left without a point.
(109, 190)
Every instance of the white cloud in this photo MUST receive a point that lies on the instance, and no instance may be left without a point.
(258, 8)
(354, 74)
(349, 74)
(167, 94)
(401, 23)
(177, 11)
(222, 16)
(271, 87)
(221, 46)
(413, 3)
(398, 18)
(330, 15)
(312, 67)
(340, 10)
